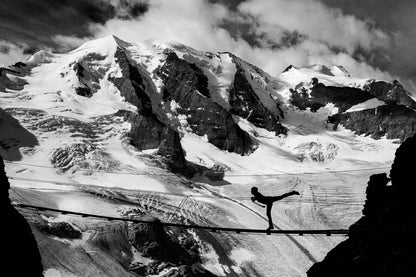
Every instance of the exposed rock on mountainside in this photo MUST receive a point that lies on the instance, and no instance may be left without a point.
(171, 149)
(245, 103)
(391, 93)
(185, 84)
(133, 83)
(88, 77)
(83, 90)
(391, 120)
(320, 95)
(7, 83)
(13, 136)
(382, 242)
(396, 119)
(61, 230)
(154, 242)
(146, 131)
(178, 256)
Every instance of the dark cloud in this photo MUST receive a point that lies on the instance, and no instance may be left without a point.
(231, 4)
(30, 50)
(287, 40)
(60, 25)
(388, 14)
(136, 9)
(35, 22)
(396, 17)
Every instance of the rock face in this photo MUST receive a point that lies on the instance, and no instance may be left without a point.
(391, 120)
(7, 83)
(186, 84)
(133, 83)
(389, 212)
(391, 93)
(88, 77)
(21, 254)
(180, 257)
(152, 241)
(62, 230)
(13, 136)
(84, 90)
(395, 120)
(320, 95)
(245, 103)
(171, 149)
(147, 132)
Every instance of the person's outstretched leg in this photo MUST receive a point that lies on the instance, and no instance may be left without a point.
(269, 216)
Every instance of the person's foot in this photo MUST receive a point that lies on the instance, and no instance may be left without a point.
(295, 192)
(270, 228)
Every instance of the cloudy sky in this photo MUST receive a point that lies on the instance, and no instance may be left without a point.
(372, 38)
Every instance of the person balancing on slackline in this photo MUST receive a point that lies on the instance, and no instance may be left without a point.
(268, 201)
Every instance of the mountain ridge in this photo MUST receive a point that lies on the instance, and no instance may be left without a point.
(241, 100)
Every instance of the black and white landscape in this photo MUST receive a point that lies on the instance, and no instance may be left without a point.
(137, 124)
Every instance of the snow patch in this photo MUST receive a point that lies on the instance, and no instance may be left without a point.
(40, 57)
(210, 261)
(138, 257)
(241, 256)
(52, 272)
(369, 104)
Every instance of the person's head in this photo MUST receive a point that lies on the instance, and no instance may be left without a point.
(254, 190)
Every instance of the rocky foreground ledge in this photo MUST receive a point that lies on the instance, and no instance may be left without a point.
(389, 209)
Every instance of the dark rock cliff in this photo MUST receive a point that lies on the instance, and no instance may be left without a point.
(87, 75)
(391, 93)
(133, 83)
(13, 136)
(186, 84)
(395, 120)
(171, 149)
(178, 252)
(20, 252)
(147, 132)
(382, 242)
(81, 73)
(320, 95)
(391, 120)
(245, 103)
(7, 83)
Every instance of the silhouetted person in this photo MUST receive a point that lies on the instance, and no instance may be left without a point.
(268, 201)
(20, 251)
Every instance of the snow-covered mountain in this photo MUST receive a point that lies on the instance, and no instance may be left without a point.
(115, 118)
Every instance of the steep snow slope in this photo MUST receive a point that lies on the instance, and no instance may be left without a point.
(70, 106)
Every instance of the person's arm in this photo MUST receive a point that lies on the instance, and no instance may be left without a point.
(255, 202)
